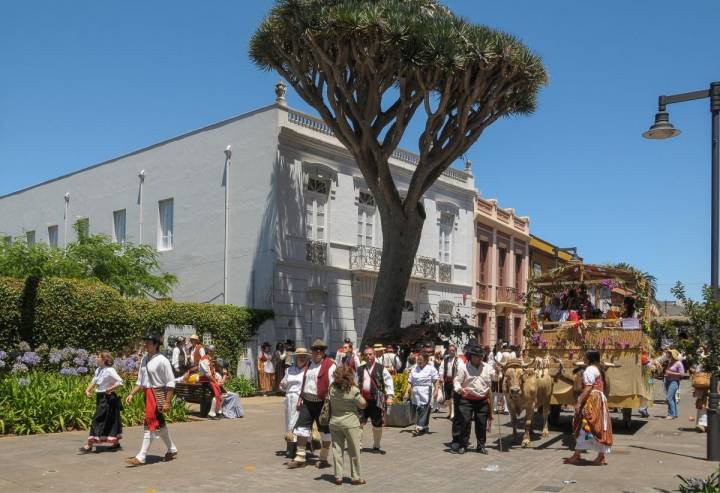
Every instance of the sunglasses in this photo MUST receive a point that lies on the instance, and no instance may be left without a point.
(317, 350)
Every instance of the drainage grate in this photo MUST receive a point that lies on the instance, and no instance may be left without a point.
(546, 487)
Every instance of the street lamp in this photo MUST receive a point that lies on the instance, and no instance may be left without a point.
(663, 129)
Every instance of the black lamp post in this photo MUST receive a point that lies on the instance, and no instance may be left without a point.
(663, 129)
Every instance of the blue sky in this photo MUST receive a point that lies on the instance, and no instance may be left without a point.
(84, 81)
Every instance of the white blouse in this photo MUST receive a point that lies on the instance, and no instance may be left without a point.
(590, 375)
(105, 377)
(422, 380)
(292, 381)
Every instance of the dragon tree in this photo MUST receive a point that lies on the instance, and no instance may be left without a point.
(367, 67)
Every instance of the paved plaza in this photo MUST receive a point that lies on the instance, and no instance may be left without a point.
(241, 455)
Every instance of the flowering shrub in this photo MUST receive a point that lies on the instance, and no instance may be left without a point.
(67, 361)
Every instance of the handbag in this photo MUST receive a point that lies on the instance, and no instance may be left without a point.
(160, 397)
(701, 381)
(324, 418)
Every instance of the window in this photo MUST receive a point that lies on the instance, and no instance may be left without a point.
(445, 307)
(53, 236)
(30, 236)
(315, 208)
(502, 256)
(83, 227)
(165, 230)
(447, 221)
(408, 306)
(366, 219)
(119, 226)
(519, 273)
(483, 249)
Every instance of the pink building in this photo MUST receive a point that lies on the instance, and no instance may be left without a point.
(501, 254)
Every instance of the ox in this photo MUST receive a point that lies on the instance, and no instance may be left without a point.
(527, 387)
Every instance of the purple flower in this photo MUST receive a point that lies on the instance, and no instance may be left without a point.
(55, 357)
(68, 372)
(81, 370)
(67, 352)
(23, 382)
(19, 368)
(81, 353)
(79, 360)
(30, 358)
(626, 345)
(3, 354)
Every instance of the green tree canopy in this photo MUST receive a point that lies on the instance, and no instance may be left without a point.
(367, 66)
(131, 269)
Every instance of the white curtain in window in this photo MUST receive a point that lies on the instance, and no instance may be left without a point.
(166, 224)
(447, 222)
(53, 236)
(366, 225)
(315, 218)
(119, 226)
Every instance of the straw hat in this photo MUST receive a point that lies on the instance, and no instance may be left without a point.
(194, 337)
(301, 351)
(378, 347)
(318, 344)
(675, 354)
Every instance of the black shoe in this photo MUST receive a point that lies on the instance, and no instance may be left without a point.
(85, 450)
(378, 450)
(480, 449)
(461, 450)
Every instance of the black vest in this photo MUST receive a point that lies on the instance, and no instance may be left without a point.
(377, 390)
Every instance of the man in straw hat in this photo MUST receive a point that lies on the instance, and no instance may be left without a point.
(316, 382)
(472, 384)
(291, 385)
(196, 353)
(376, 386)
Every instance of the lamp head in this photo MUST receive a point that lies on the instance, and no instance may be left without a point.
(662, 128)
(228, 152)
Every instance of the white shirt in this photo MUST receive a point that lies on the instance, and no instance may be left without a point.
(421, 380)
(448, 364)
(391, 361)
(176, 357)
(268, 366)
(155, 372)
(292, 381)
(204, 367)
(105, 377)
(477, 380)
(312, 374)
(590, 375)
(387, 380)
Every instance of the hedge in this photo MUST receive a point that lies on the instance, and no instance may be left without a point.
(92, 315)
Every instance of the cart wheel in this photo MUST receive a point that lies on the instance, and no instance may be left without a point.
(627, 417)
(554, 416)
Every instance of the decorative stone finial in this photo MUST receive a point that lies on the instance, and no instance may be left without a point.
(468, 166)
(280, 90)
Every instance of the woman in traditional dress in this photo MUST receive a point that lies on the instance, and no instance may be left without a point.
(423, 380)
(266, 369)
(592, 425)
(106, 426)
(291, 384)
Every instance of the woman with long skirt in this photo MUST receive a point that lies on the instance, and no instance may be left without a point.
(592, 425)
(106, 425)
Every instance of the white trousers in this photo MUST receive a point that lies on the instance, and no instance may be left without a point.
(161, 433)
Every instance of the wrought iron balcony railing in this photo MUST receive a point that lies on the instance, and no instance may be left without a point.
(365, 258)
(424, 267)
(444, 272)
(505, 294)
(316, 252)
(483, 292)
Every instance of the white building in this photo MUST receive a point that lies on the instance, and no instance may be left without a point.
(303, 232)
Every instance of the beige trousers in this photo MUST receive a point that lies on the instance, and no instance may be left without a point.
(339, 437)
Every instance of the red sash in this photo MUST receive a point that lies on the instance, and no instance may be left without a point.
(151, 419)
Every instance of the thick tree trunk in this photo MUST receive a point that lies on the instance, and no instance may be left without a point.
(401, 238)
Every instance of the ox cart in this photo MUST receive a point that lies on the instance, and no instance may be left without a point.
(580, 306)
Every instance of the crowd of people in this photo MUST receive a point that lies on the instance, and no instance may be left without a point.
(337, 396)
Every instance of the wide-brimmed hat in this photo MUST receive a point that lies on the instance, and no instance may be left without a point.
(474, 350)
(153, 337)
(301, 351)
(318, 344)
(378, 347)
(194, 337)
(606, 364)
(675, 354)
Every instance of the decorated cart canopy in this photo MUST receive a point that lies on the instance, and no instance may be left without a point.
(579, 307)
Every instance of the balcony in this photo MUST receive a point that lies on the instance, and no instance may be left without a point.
(366, 258)
(444, 272)
(483, 292)
(316, 252)
(508, 295)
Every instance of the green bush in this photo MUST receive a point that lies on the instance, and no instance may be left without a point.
(89, 314)
(241, 386)
(43, 402)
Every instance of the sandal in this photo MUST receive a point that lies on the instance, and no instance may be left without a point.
(338, 481)
(134, 462)
(358, 481)
(170, 456)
